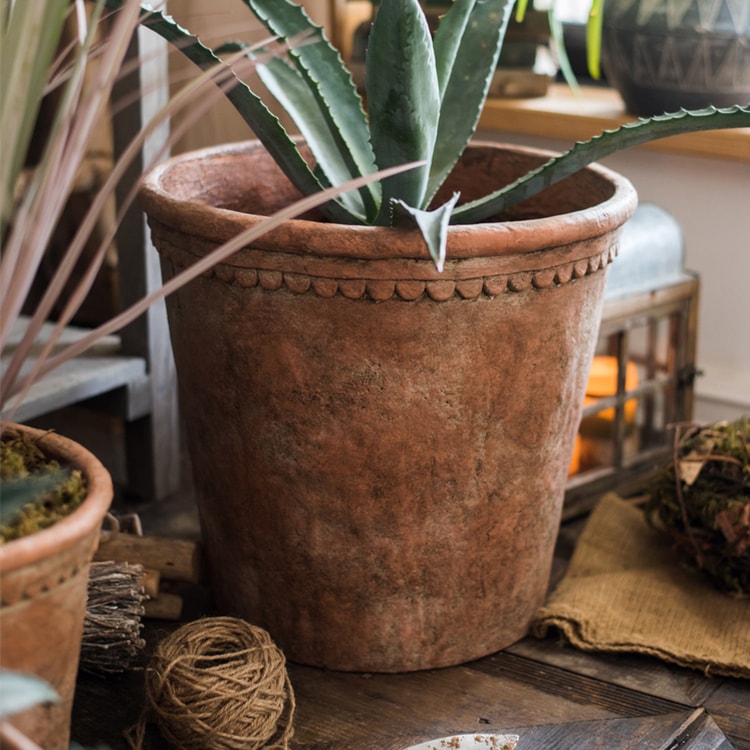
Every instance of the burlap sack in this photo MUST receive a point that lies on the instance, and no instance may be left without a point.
(625, 590)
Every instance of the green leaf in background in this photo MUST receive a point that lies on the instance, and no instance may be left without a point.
(29, 37)
(594, 38)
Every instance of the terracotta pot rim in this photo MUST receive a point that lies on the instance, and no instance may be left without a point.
(368, 242)
(81, 522)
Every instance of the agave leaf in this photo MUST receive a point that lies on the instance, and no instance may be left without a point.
(403, 98)
(261, 120)
(294, 94)
(628, 135)
(340, 107)
(467, 47)
(19, 691)
(432, 224)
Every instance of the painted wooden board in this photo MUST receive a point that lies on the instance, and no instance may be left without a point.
(98, 371)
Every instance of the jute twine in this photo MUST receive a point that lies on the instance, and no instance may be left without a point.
(218, 683)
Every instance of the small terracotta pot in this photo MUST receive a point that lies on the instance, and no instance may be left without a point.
(379, 449)
(43, 589)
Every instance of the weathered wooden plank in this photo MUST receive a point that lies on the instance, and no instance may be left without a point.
(578, 688)
(646, 674)
(104, 707)
(153, 443)
(557, 697)
(691, 731)
(730, 707)
(698, 732)
(434, 703)
(77, 380)
(175, 559)
(668, 732)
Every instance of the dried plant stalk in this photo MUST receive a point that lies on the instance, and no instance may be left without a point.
(112, 639)
(702, 500)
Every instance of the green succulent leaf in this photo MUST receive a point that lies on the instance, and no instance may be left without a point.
(323, 100)
(432, 224)
(582, 154)
(261, 120)
(286, 84)
(403, 98)
(467, 46)
(19, 691)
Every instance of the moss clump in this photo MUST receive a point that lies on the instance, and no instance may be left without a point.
(35, 491)
(702, 500)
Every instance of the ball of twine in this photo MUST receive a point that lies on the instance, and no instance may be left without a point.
(221, 684)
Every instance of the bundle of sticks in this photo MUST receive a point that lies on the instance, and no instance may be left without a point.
(127, 583)
(112, 639)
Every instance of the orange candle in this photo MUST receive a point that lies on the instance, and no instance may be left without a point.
(575, 461)
(603, 382)
(594, 441)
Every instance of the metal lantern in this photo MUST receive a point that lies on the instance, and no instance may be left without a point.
(641, 380)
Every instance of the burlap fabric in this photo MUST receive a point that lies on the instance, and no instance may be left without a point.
(625, 591)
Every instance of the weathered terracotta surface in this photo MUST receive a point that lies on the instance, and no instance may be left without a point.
(380, 450)
(43, 589)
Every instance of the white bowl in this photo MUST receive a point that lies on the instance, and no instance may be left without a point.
(470, 742)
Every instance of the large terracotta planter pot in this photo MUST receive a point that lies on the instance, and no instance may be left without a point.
(380, 450)
(43, 589)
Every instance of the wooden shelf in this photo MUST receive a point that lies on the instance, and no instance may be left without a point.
(563, 114)
(100, 370)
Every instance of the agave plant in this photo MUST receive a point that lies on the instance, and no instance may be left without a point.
(424, 98)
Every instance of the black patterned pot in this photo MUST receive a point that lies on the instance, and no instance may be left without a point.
(663, 55)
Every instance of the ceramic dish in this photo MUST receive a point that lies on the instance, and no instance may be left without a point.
(470, 742)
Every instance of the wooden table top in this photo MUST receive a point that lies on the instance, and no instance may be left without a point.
(550, 694)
